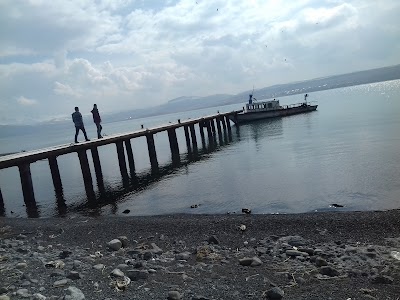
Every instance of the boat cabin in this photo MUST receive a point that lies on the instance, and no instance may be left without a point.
(262, 106)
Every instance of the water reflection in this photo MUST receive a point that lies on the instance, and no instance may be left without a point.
(111, 194)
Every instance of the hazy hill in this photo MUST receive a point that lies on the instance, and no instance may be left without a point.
(330, 82)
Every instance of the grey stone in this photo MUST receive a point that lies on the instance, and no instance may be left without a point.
(117, 273)
(24, 293)
(114, 244)
(275, 293)
(200, 298)
(183, 255)
(21, 265)
(147, 255)
(60, 283)
(213, 240)
(98, 266)
(4, 297)
(137, 274)
(329, 271)
(174, 295)
(155, 249)
(294, 253)
(124, 240)
(256, 262)
(38, 296)
(3, 290)
(319, 262)
(246, 261)
(383, 279)
(73, 293)
(57, 273)
(74, 275)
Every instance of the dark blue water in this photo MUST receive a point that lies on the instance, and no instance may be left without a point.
(347, 152)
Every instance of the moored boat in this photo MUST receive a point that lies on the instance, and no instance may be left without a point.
(257, 110)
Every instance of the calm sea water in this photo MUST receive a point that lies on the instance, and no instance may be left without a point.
(347, 153)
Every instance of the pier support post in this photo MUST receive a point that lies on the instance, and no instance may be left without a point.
(209, 132)
(87, 176)
(193, 136)
(26, 183)
(55, 174)
(203, 140)
(152, 151)
(97, 168)
(189, 148)
(228, 124)
(129, 153)
(213, 131)
(218, 120)
(2, 208)
(121, 159)
(224, 128)
(173, 144)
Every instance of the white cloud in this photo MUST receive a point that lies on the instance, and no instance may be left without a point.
(130, 53)
(26, 101)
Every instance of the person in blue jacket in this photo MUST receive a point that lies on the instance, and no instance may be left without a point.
(78, 121)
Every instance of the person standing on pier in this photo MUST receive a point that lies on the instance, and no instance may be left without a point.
(78, 121)
(97, 120)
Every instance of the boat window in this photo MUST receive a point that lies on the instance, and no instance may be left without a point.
(269, 105)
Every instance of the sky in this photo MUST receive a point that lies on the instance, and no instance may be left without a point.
(130, 54)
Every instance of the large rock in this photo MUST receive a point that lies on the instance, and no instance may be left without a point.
(74, 293)
(114, 244)
(275, 293)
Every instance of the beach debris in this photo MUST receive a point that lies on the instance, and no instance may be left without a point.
(121, 284)
(97, 254)
(395, 255)
(246, 210)
(194, 205)
(336, 205)
(242, 227)
(57, 264)
(126, 211)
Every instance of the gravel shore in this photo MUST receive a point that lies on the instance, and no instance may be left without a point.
(334, 255)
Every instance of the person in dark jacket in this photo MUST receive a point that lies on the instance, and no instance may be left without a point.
(97, 120)
(78, 121)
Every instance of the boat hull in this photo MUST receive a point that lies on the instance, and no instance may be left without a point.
(259, 115)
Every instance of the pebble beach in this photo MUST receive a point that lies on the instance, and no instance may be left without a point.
(332, 255)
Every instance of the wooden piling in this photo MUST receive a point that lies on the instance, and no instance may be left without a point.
(87, 176)
(209, 132)
(186, 129)
(203, 139)
(193, 136)
(97, 168)
(152, 150)
(218, 120)
(173, 144)
(55, 174)
(2, 207)
(26, 183)
(129, 153)
(121, 159)
(213, 131)
(224, 128)
(228, 124)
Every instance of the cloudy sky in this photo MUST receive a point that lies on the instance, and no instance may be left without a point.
(127, 54)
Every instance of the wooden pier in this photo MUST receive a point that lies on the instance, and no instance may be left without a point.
(216, 125)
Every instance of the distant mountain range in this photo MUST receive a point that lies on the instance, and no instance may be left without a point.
(318, 84)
